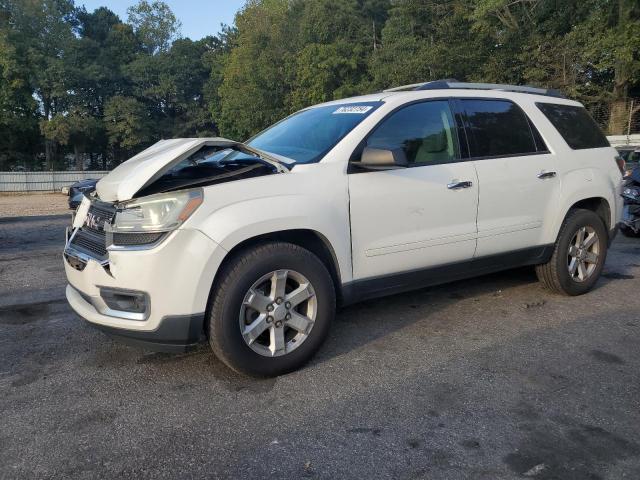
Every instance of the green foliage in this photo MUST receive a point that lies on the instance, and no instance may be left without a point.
(127, 123)
(434, 41)
(89, 88)
(254, 86)
(155, 24)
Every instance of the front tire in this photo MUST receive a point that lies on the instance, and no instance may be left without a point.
(271, 309)
(579, 255)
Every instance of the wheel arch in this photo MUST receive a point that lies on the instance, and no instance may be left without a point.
(600, 205)
(309, 239)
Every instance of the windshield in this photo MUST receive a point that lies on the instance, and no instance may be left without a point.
(308, 135)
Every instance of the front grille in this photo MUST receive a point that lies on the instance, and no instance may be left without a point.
(92, 243)
(91, 237)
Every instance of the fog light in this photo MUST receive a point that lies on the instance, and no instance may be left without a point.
(125, 300)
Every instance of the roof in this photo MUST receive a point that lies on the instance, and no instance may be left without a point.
(455, 84)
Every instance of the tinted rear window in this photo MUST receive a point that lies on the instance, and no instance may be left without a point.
(499, 128)
(575, 125)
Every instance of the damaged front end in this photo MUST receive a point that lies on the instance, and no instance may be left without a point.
(144, 199)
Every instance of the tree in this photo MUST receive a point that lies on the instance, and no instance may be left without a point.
(127, 125)
(19, 131)
(428, 40)
(40, 33)
(170, 84)
(76, 128)
(215, 58)
(255, 85)
(615, 49)
(335, 40)
(155, 24)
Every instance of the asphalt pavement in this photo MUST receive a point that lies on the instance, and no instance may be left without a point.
(490, 378)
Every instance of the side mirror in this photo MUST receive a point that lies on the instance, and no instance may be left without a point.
(382, 159)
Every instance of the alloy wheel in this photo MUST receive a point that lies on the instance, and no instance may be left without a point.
(584, 251)
(278, 313)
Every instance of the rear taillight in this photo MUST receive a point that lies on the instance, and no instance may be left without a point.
(620, 163)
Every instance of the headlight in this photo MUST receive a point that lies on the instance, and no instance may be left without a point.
(631, 192)
(156, 213)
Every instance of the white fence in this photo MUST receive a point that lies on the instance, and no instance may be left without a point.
(42, 181)
(622, 140)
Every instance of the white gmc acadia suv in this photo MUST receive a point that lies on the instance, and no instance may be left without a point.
(254, 244)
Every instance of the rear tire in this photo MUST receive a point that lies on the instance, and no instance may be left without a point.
(579, 255)
(271, 309)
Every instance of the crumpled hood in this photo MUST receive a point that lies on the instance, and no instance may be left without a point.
(124, 181)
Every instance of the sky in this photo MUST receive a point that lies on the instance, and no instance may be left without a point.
(199, 17)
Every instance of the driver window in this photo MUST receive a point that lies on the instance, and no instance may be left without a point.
(425, 131)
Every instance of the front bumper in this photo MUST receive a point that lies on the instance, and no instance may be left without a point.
(173, 334)
(176, 277)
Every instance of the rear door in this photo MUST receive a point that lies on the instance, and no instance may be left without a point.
(417, 217)
(516, 173)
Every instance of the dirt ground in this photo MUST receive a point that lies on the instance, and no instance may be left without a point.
(30, 204)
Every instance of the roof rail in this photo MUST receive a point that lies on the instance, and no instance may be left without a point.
(455, 84)
(404, 88)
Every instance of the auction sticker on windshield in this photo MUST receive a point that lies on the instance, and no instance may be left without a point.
(358, 109)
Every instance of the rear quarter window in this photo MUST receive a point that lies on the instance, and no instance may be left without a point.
(575, 125)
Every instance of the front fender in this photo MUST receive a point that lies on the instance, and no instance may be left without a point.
(235, 223)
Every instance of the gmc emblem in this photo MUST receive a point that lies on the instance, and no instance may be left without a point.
(94, 222)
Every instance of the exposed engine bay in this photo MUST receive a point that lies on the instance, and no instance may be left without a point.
(208, 166)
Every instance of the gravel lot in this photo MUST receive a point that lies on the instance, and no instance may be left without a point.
(30, 204)
(489, 378)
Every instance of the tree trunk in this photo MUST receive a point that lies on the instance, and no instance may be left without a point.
(50, 153)
(48, 144)
(79, 159)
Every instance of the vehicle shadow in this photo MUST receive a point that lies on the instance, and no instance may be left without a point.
(366, 322)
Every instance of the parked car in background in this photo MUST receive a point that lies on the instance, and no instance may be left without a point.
(78, 190)
(253, 244)
(630, 225)
(631, 157)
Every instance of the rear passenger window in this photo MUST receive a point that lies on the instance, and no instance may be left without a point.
(426, 132)
(499, 128)
(575, 125)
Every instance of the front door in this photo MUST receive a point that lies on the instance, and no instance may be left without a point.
(417, 217)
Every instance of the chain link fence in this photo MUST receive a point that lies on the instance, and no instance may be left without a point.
(617, 118)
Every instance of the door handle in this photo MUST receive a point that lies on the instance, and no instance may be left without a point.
(544, 174)
(456, 185)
